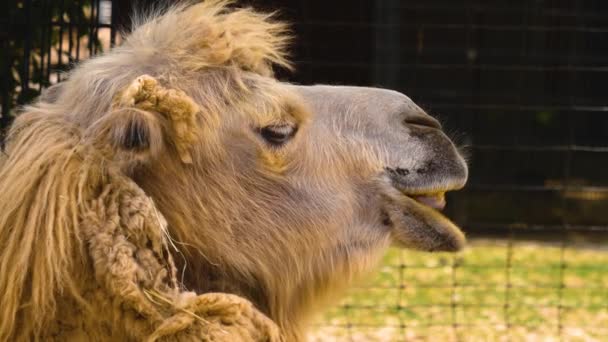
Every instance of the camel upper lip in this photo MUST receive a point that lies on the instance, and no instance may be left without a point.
(430, 195)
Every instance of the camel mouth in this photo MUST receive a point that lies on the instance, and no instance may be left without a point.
(434, 200)
(415, 220)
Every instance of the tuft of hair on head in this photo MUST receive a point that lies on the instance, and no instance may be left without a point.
(212, 33)
(51, 94)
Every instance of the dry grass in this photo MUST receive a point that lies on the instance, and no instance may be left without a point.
(481, 294)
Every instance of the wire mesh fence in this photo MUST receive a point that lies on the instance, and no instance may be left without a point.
(519, 84)
(496, 290)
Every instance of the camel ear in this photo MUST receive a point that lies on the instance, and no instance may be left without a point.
(137, 132)
(145, 116)
(128, 135)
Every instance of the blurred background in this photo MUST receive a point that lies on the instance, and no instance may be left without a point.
(520, 84)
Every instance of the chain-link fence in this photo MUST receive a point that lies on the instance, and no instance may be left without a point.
(521, 84)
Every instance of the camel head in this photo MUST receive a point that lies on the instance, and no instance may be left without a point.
(276, 192)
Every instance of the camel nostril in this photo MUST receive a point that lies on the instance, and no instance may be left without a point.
(422, 120)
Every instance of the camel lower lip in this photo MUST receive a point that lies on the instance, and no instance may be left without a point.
(414, 221)
(436, 201)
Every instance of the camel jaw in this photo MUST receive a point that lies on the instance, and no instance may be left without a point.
(414, 219)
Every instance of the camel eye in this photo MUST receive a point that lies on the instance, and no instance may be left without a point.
(278, 134)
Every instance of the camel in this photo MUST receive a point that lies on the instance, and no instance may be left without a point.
(173, 189)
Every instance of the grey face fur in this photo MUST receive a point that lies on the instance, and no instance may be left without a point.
(414, 158)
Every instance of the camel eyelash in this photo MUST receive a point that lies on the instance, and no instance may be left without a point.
(279, 134)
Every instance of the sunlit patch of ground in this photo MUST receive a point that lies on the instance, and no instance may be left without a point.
(489, 292)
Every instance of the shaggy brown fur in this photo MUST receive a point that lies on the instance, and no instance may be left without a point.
(86, 229)
(142, 201)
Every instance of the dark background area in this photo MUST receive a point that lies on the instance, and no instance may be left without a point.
(519, 84)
